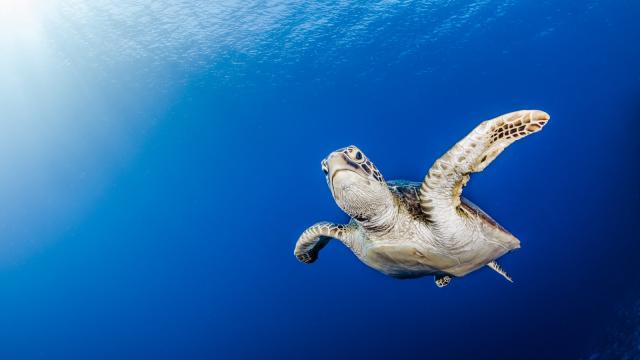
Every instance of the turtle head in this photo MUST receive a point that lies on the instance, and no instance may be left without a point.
(356, 184)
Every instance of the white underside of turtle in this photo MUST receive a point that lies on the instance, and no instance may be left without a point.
(408, 229)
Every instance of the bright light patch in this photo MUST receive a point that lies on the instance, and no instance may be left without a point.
(57, 141)
(23, 44)
(19, 22)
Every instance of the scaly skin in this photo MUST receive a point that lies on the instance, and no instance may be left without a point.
(409, 230)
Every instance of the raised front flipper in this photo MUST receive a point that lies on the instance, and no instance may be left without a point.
(441, 188)
(317, 236)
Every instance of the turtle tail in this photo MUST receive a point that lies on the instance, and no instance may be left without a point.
(497, 268)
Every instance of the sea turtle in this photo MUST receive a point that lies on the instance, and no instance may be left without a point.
(408, 229)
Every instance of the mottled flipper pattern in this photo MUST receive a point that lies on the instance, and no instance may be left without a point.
(441, 188)
(317, 236)
(442, 280)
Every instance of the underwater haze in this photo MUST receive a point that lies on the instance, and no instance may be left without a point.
(160, 159)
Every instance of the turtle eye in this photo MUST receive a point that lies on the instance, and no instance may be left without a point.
(325, 170)
(355, 154)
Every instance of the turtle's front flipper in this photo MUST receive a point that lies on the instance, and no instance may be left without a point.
(441, 188)
(442, 280)
(317, 236)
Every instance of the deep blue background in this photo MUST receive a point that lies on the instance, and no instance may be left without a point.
(185, 248)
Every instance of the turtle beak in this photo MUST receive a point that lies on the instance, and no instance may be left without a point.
(338, 163)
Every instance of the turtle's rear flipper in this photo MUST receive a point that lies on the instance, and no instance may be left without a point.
(442, 280)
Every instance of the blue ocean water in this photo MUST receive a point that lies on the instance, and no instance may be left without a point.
(160, 159)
